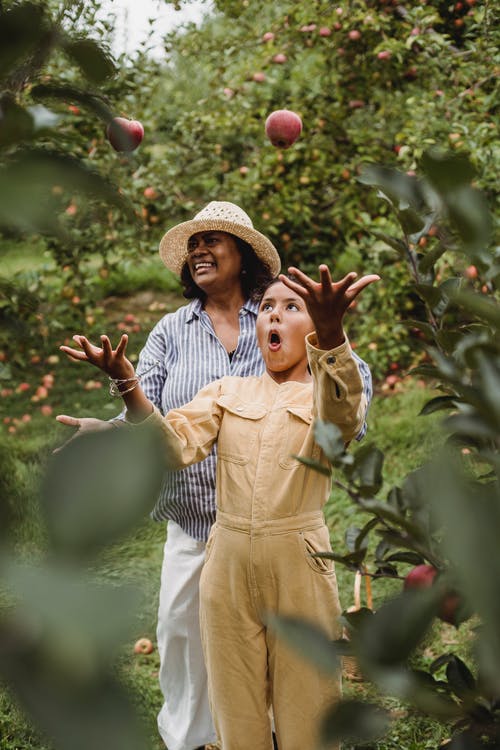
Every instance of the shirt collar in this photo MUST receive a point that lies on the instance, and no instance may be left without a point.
(195, 308)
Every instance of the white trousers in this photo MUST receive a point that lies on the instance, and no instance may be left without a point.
(184, 721)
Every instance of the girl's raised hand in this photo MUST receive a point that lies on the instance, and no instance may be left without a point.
(111, 361)
(327, 300)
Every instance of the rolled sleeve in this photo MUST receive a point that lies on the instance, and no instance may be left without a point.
(339, 393)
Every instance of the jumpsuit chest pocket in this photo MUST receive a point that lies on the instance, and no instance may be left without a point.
(297, 429)
(240, 428)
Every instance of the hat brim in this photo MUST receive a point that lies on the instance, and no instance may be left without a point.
(173, 246)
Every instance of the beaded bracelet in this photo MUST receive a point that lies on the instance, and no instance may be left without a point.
(114, 383)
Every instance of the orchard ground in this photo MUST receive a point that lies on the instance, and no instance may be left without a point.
(52, 384)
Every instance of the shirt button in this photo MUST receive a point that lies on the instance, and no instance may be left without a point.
(331, 360)
(239, 408)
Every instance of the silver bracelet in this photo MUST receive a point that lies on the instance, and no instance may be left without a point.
(114, 383)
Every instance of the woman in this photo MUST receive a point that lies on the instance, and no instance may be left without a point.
(212, 336)
(269, 503)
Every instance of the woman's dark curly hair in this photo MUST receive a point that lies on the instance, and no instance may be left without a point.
(255, 275)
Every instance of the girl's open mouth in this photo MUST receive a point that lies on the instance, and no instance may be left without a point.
(274, 341)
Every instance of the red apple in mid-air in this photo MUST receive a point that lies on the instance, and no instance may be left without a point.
(283, 127)
(143, 646)
(123, 134)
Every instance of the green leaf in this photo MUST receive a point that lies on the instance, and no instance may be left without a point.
(466, 740)
(469, 512)
(310, 641)
(469, 214)
(396, 629)
(427, 261)
(460, 679)
(102, 710)
(401, 189)
(411, 221)
(486, 308)
(66, 93)
(329, 438)
(389, 513)
(99, 486)
(352, 561)
(447, 170)
(316, 465)
(95, 64)
(429, 294)
(26, 181)
(367, 469)
(22, 28)
(393, 242)
(16, 124)
(360, 618)
(439, 403)
(76, 625)
(356, 721)
(405, 557)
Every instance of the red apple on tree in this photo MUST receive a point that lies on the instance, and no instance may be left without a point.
(123, 134)
(422, 577)
(283, 127)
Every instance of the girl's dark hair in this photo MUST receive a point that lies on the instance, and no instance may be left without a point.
(255, 275)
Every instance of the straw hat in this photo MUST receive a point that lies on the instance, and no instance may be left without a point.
(220, 216)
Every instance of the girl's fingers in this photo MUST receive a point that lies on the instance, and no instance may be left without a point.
(300, 278)
(364, 282)
(325, 278)
(294, 286)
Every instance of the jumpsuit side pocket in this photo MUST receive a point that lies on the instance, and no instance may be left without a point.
(314, 541)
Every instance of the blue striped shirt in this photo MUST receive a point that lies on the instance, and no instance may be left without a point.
(189, 356)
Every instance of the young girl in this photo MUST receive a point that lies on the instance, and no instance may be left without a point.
(269, 517)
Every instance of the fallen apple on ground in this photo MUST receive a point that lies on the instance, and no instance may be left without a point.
(143, 646)
(123, 134)
(283, 127)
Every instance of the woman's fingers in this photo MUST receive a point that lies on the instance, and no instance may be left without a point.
(73, 353)
(107, 349)
(66, 419)
(122, 345)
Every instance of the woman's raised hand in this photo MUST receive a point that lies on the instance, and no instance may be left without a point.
(327, 300)
(111, 361)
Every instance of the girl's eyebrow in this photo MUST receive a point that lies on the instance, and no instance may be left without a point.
(288, 299)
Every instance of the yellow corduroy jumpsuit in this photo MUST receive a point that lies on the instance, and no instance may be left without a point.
(269, 521)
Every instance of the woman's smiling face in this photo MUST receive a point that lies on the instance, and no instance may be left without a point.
(214, 259)
(282, 324)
